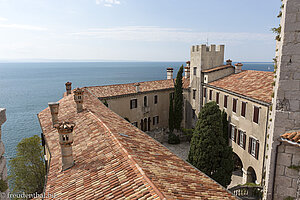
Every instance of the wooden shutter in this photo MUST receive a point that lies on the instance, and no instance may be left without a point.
(244, 141)
(238, 137)
(234, 105)
(235, 132)
(225, 101)
(210, 94)
(130, 104)
(257, 149)
(256, 114)
(243, 113)
(230, 131)
(250, 145)
(204, 92)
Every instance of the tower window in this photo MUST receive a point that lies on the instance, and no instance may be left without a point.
(195, 71)
(194, 94)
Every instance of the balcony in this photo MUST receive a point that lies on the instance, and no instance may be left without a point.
(247, 192)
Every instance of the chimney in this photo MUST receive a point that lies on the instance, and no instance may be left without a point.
(228, 62)
(65, 131)
(169, 73)
(68, 87)
(78, 97)
(187, 70)
(137, 87)
(238, 68)
(54, 106)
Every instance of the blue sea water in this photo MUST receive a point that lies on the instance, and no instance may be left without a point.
(26, 88)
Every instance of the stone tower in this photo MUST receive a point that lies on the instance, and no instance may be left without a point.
(3, 169)
(203, 57)
(78, 97)
(68, 87)
(65, 131)
(285, 114)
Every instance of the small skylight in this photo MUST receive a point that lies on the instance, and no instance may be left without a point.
(122, 134)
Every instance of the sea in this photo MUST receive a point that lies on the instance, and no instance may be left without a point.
(26, 88)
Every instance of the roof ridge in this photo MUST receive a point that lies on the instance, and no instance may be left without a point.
(135, 164)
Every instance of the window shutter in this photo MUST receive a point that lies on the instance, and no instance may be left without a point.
(244, 141)
(257, 149)
(225, 101)
(204, 92)
(130, 104)
(230, 131)
(217, 97)
(250, 145)
(256, 114)
(235, 132)
(238, 137)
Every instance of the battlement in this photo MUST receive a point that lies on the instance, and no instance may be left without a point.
(211, 48)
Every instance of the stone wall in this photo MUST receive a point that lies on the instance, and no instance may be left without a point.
(3, 169)
(287, 179)
(286, 102)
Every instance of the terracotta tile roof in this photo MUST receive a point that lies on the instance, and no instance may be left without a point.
(253, 84)
(115, 160)
(292, 137)
(217, 68)
(124, 89)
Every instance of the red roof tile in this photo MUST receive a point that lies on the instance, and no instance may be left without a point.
(217, 68)
(114, 159)
(293, 137)
(253, 84)
(130, 88)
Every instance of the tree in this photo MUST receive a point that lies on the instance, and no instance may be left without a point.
(225, 125)
(178, 100)
(209, 151)
(171, 114)
(27, 168)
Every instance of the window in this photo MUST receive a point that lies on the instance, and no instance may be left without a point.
(194, 94)
(225, 101)
(243, 111)
(194, 113)
(210, 94)
(256, 114)
(204, 92)
(233, 132)
(172, 95)
(155, 99)
(241, 139)
(135, 124)
(234, 102)
(155, 120)
(133, 103)
(253, 147)
(217, 97)
(195, 71)
(145, 101)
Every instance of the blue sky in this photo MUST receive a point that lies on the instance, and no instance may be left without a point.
(141, 30)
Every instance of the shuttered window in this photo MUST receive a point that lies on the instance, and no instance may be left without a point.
(204, 92)
(241, 139)
(243, 111)
(210, 94)
(217, 97)
(155, 99)
(225, 101)
(133, 103)
(194, 94)
(256, 114)
(253, 148)
(233, 132)
(234, 102)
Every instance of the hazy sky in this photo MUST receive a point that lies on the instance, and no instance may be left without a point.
(142, 30)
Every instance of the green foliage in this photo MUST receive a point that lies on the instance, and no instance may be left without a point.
(105, 103)
(178, 100)
(273, 84)
(289, 198)
(27, 168)
(279, 15)
(209, 151)
(3, 185)
(171, 114)
(225, 125)
(277, 30)
(295, 167)
(173, 139)
(188, 133)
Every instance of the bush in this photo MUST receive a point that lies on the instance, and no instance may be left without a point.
(173, 139)
(3, 185)
(188, 133)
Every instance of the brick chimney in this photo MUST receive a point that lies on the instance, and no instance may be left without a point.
(169, 73)
(137, 87)
(54, 107)
(78, 97)
(68, 87)
(238, 68)
(228, 62)
(187, 70)
(65, 131)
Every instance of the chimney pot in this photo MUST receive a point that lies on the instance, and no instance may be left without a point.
(65, 131)
(68, 87)
(187, 72)
(238, 68)
(137, 87)
(78, 97)
(169, 73)
(54, 107)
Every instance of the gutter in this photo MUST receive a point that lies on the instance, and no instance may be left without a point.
(238, 95)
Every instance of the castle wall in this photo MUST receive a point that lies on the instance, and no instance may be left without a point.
(246, 124)
(3, 168)
(286, 102)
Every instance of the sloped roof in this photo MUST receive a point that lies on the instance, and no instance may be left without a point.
(115, 160)
(253, 84)
(129, 88)
(292, 137)
(217, 68)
